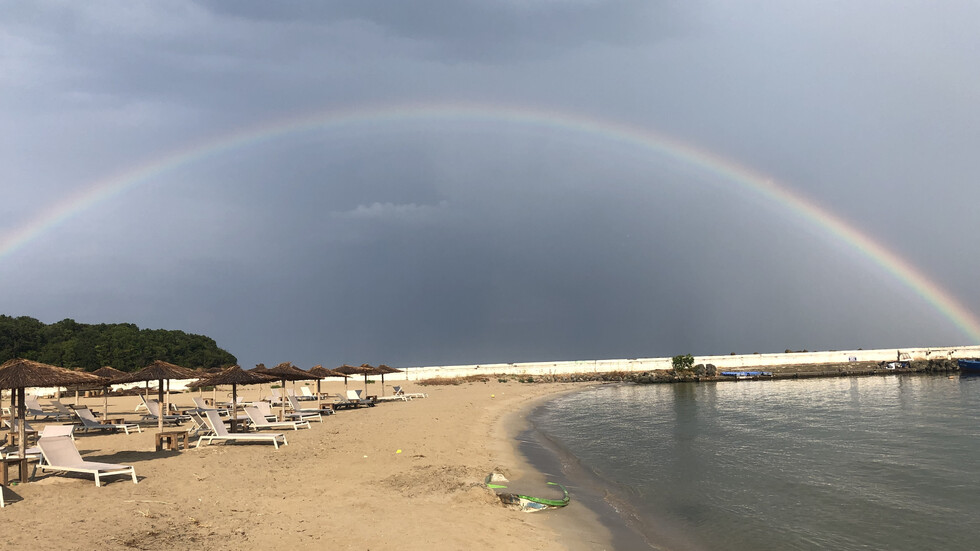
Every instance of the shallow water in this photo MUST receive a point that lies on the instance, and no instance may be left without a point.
(844, 463)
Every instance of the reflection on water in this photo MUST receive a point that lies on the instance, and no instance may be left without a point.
(851, 463)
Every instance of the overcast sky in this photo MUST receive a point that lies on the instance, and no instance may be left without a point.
(463, 240)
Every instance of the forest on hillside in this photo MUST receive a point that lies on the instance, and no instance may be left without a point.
(124, 346)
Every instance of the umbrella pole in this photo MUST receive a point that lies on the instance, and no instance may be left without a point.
(318, 393)
(234, 407)
(282, 399)
(160, 405)
(22, 414)
(105, 404)
(382, 384)
(365, 386)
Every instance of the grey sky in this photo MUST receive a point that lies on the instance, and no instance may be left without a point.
(439, 242)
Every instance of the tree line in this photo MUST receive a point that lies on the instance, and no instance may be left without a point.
(124, 346)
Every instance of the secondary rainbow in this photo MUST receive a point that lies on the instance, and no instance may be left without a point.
(595, 128)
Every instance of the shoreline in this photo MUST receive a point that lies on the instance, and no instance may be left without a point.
(578, 526)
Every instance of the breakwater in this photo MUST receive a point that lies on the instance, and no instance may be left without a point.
(788, 364)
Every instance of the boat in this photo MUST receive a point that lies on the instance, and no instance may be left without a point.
(972, 366)
(746, 374)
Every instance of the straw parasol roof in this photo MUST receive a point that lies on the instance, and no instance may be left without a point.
(286, 371)
(233, 376)
(109, 372)
(159, 370)
(19, 374)
(363, 369)
(321, 372)
(383, 370)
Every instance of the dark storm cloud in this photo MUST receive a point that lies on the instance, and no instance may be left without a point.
(464, 241)
(489, 30)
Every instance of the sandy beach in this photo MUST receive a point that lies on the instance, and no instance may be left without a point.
(402, 474)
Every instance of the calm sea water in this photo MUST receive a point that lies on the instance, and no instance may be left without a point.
(864, 463)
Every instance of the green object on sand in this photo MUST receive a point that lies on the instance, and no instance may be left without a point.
(493, 479)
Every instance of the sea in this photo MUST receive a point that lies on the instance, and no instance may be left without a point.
(858, 463)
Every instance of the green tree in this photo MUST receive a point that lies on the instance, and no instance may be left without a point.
(682, 363)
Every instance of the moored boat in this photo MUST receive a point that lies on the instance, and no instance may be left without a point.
(972, 366)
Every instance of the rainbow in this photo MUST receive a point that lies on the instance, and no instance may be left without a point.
(612, 132)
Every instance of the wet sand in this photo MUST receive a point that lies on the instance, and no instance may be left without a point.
(402, 474)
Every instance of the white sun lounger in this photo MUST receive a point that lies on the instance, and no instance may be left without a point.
(200, 406)
(265, 408)
(221, 433)
(259, 421)
(60, 454)
(308, 413)
(399, 391)
(153, 411)
(355, 396)
(34, 408)
(306, 394)
(89, 422)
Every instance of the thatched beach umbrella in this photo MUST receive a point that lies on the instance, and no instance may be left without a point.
(321, 373)
(233, 376)
(159, 371)
(287, 372)
(363, 369)
(348, 370)
(110, 374)
(382, 370)
(18, 374)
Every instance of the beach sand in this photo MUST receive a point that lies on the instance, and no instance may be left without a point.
(342, 484)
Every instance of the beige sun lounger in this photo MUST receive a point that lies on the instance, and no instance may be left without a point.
(219, 432)
(60, 454)
(89, 422)
(259, 421)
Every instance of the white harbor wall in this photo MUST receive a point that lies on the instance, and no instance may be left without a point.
(734, 361)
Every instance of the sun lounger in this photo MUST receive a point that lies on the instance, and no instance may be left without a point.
(306, 394)
(200, 406)
(308, 413)
(89, 422)
(153, 412)
(34, 409)
(259, 421)
(265, 408)
(200, 427)
(399, 391)
(60, 454)
(219, 432)
(63, 409)
(355, 396)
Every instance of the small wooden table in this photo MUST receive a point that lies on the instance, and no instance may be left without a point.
(239, 424)
(173, 439)
(114, 421)
(13, 437)
(21, 468)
